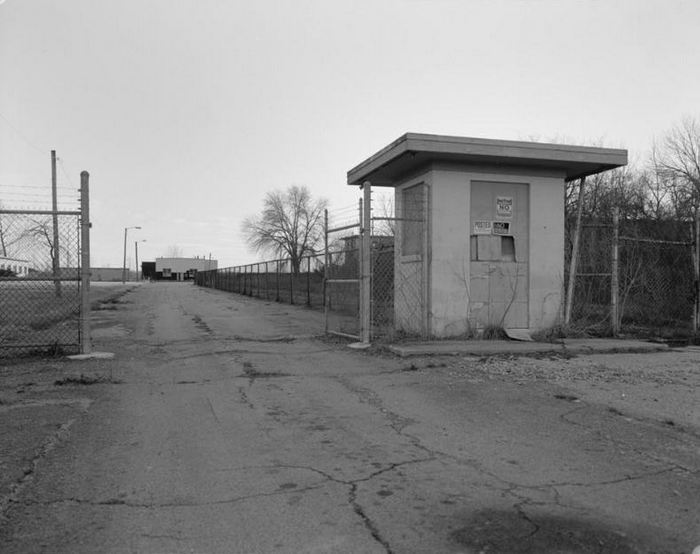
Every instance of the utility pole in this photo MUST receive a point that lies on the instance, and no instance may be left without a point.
(136, 248)
(124, 268)
(54, 203)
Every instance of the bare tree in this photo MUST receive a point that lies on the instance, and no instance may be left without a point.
(384, 213)
(680, 152)
(3, 246)
(290, 224)
(42, 230)
(677, 161)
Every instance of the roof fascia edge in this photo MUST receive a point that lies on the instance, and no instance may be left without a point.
(384, 156)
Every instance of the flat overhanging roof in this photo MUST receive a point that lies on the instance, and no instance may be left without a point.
(413, 151)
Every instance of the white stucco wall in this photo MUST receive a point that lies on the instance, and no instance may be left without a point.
(449, 271)
(546, 251)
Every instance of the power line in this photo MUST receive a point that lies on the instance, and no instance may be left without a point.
(63, 168)
(21, 135)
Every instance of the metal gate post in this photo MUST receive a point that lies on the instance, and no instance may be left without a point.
(365, 276)
(85, 340)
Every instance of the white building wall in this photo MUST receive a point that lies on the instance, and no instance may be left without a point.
(450, 255)
(176, 268)
(182, 265)
(546, 252)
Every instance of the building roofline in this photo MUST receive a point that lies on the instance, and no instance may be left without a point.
(412, 150)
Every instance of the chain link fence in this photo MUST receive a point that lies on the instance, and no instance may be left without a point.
(332, 280)
(399, 305)
(40, 289)
(275, 280)
(655, 278)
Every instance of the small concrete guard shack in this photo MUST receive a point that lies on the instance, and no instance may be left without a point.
(480, 233)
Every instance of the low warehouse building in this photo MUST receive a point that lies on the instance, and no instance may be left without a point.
(182, 269)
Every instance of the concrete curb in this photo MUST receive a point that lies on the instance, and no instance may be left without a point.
(515, 348)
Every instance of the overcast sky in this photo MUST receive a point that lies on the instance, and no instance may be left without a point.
(186, 112)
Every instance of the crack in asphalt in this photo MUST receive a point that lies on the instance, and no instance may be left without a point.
(158, 505)
(353, 486)
(48, 445)
(366, 520)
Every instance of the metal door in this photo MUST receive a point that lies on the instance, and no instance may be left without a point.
(499, 245)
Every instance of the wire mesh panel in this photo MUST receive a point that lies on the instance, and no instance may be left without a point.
(411, 263)
(656, 285)
(382, 299)
(39, 282)
(592, 294)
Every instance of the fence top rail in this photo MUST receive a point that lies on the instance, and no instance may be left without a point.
(657, 241)
(39, 212)
(47, 279)
(344, 227)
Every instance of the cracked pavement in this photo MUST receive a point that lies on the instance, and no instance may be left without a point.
(225, 424)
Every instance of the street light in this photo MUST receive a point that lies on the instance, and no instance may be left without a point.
(136, 247)
(126, 229)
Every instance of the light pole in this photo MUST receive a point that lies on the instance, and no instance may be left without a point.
(126, 229)
(136, 248)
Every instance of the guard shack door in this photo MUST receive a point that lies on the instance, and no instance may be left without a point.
(499, 246)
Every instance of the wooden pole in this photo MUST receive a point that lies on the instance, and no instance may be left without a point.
(574, 255)
(614, 277)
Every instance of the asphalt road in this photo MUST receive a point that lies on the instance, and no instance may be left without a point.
(225, 424)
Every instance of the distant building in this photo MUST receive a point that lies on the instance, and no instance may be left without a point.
(148, 270)
(14, 266)
(182, 269)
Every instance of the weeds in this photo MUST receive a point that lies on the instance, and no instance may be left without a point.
(494, 332)
(85, 380)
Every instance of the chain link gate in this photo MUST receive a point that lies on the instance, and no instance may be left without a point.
(40, 282)
(370, 293)
(342, 272)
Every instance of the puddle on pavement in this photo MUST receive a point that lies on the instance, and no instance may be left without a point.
(496, 532)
